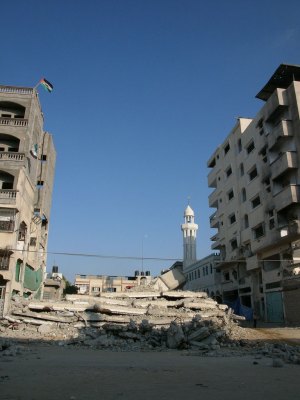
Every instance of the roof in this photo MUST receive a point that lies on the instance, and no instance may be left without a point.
(284, 75)
(188, 211)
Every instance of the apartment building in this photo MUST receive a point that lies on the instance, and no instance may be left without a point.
(27, 161)
(255, 177)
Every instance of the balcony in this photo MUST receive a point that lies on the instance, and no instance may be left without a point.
(215, 237)
(274, 106)
(11, 156)
(213, 199)
(285, 162)
(289, 195)
(282, 130)
(15, 90)
(16, 122)
(214, 220)
(8, 196)
(212, 179)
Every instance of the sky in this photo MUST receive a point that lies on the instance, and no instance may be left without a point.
(144, 92)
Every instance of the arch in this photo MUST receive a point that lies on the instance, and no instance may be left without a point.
(9, 143)
(9, 109)
(6, 180)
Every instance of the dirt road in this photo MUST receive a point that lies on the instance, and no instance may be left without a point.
(63, 373)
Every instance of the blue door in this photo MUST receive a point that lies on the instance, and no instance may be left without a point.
(274, 307)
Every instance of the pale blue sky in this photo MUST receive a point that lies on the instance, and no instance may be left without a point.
(144, 91)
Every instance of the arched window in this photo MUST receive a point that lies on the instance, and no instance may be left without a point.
(6, 180)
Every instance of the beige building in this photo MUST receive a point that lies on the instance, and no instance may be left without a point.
(255, 175)
(27, 160)
(93, 285)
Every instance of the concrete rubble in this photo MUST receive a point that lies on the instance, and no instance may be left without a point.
(131, 321)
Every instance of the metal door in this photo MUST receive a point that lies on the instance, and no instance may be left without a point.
(274, 307)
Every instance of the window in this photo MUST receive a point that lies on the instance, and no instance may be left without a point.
(4, 261)
(44, 157)
(226, 148)
(242, 169)
(246, 221)
(258, 231)
(198, 273)
(250, 147)
(203, 271)
(240, 145)
(22, 232)
(230, 194)
(206, 270)
(232, 219)
(228, 171)
(32, 241)
(244, 196)
(263, 154)
(255, 202)
(211, 268)
(40, 184)
(226, 276)
(253, 173)
(234, 244)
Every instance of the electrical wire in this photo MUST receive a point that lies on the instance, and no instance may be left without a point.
(101, 256)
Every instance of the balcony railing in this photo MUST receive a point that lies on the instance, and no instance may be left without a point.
(287, 196)
(8, 196)
(11, 156)
(16, 90)
(14, 122)
(282, 130)
(288, 160)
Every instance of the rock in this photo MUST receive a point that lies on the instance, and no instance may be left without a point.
(175, 336)
(44, 329)
(199, 335)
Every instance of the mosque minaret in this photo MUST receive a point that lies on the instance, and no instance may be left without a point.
(189, 229)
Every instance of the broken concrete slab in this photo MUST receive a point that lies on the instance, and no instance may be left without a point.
(184, 294)
(199, 334)
(175, 336)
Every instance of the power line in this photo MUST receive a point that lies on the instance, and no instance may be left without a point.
(102, 256)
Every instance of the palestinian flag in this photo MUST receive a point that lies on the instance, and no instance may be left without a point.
(46, 85)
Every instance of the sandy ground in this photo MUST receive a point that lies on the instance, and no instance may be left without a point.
(44, 371)
(53, 372)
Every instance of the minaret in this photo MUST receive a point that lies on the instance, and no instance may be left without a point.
(189, 229)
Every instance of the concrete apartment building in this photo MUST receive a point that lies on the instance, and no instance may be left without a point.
(255, 175)
(27, 161)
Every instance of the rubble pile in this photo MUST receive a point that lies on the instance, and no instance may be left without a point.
(129, 321)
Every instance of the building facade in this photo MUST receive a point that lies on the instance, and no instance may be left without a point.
(255, 175)
(27, 161)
